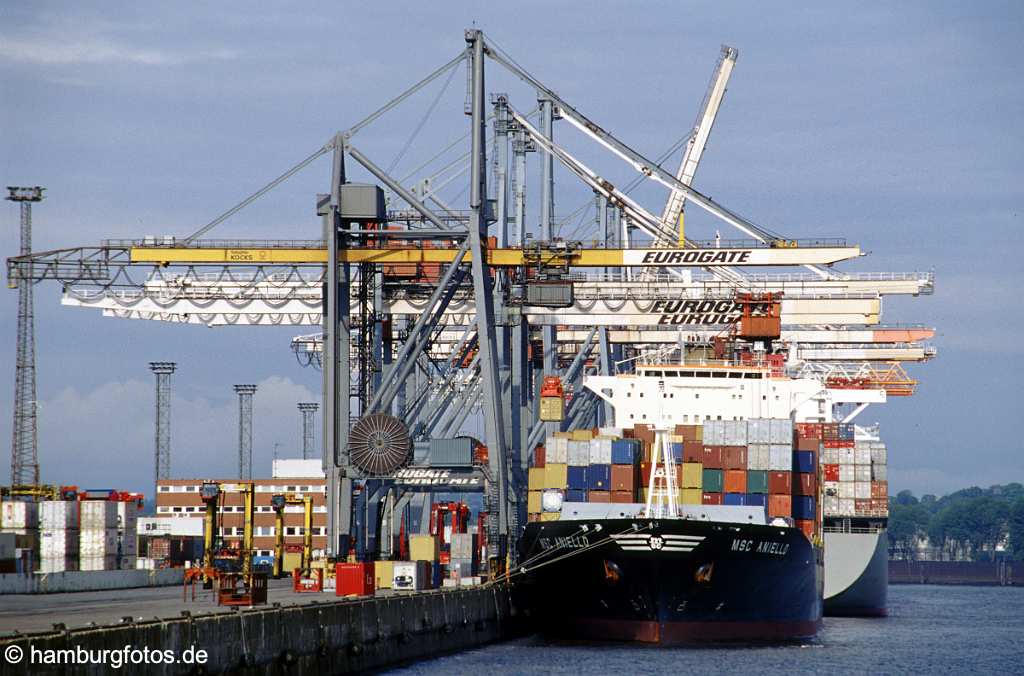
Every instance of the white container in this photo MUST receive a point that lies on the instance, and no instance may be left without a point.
(19, 514)
(408, 576)
(758, 431)
(831, 505)
(862, 490)
(862, 472)
(830, 488)
(862, 456)
(780, 458)
(97, 563)
(758, 457)
(579, 453)
(556, 450)
(847, 456)
(615, 432)
(879, 473)
(848, 491)
(879, 455)
(97, 514)
(847, 473)
(143, 563)
(714, 432)
(735, 432)
(846, 506)
(782, 431)
(55, 514)
(600, 451)
(58, 544)
(462, 546)
(98, 542)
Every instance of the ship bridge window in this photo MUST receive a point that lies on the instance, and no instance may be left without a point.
(735, 375)
(752, 376)
(719, 374)
(686, 374)
(671, 374)
(654, 374)
(703, 374)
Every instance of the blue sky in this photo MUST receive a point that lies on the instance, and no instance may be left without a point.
(898, 127)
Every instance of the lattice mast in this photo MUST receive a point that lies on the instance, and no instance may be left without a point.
(245, 393)
(162, 448)
(308, 410)
(25, 441)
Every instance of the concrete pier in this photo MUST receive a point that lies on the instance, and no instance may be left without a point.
(330, 637)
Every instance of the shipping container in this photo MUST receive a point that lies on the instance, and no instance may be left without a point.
(830, 488)
(622, 496)
(539, 456)
(862, 472)
(599, 478)
(625, 452)
(599, 496)
(805, 444)
(59, 543)
(577, 453)
(600, 451)
(807, 526)
(830, 504)
(711, 457)
(804, 507)
(846, 507)
(693, 451)
(581, 435)
(862, 490)
(451, 452)
(555, 475)
(612, 432)
(829, 456)
(758, 431)
(735, 433)
(879, 472)
(780, 458)
(100, 562)
(781, 431)
(862, 506)
(735, 481)
(57, 514)
(711, 498)
(624, 478)
(805, 483)
(576, 478)
(712, 480)
(58, 564)
(411, 575)
(756, 500)
(847, 456)
(690, 496)
(19, 514)
(759, 457)
(714, 432)
(463, 545)
(691, 476)
(804, 461)
(355, 579)
(757, 481)
(808, 430)
(535, 478)
(879, 456)
(98, 542)
(847, 473)
(734, 457)
(736, 499)
(423, 548)
(861, 455)
(780, 505)
(576, 495)
(549, 516)
(533, 502)
(780, 482)
(556, 449)
(831, 472)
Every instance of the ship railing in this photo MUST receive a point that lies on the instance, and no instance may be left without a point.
(858, 530)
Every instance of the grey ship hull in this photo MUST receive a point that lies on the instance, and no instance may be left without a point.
(856, 574)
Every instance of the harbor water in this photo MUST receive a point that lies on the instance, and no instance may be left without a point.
(930, 629)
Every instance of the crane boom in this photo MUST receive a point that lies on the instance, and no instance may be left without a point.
(673, 212)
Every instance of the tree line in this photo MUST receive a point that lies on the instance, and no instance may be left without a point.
(973, 524)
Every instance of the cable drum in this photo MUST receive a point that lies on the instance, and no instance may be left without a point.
(379, 443)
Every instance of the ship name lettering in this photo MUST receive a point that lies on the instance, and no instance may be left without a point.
(742, 545)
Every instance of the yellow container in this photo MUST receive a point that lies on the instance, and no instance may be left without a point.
(549, 516)
(552, 409)
(383, 574)
(582, 435)
(556, 475)
(291, 561)
(677, 438)
(536, 479)
(690, 496)
(693, 475)
(423, 548)
(699, 433)
(533, 502)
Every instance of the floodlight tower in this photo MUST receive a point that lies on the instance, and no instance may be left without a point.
(245, 393)
(25, 444)
(308, 410)
(163, 371)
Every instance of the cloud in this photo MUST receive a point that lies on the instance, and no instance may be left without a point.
(51, 51)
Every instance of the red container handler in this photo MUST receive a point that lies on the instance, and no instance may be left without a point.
(353, 579)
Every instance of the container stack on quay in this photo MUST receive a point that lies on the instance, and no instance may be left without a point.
(433, 563)
(98, 535)
(759, 462)
(19, 519)
(127, 533)
(58, 535)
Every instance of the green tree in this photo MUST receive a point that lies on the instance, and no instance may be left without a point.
(1016, 529)
(905, 498)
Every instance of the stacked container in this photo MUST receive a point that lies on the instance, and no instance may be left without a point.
(58, 535)
(98, 535)
(127, 533)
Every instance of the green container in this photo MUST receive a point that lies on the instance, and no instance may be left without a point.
(713, 481)
(757, 481)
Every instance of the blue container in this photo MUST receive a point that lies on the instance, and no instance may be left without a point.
(803, 461)
(803, 507)
(677, 451)
(756, 500)
(436, 575)
(577, 478)
(624, 452)
(574, 495)
(739, 499)
(846, 431)
(599, 477)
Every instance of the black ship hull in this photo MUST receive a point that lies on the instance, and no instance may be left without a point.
(671, 581)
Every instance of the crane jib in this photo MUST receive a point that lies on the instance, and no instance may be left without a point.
(684, 257)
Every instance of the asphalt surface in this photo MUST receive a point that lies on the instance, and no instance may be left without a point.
(26, 613)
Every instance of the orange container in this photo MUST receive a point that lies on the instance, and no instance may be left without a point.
(622, 496)
(353, 579)
(780, 505)
(599, 496)
(734, 457)
(711, 499)
(805, 483)
(623, 479)
(780, 482)
(735, 481)
(807, 526)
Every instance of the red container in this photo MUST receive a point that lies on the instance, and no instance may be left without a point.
(880, 505)
(879, 490)
(711, 499)
(780, 482)
(353, 579)
(314, 582)
(807, 526)
(622, 496)
(831, 472)
(806, 444)
(829, 431)
(645, 474)
(805, 483)
(599, 496)
(624, 478)
(539, 455)
(693, 451)
(862, 506)
(808, 430)
(687, 432)
(839, 443)
(735, 481)
(712, 457)
(780, 505)
(734, 457)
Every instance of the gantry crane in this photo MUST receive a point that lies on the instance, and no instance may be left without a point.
(279, 502)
